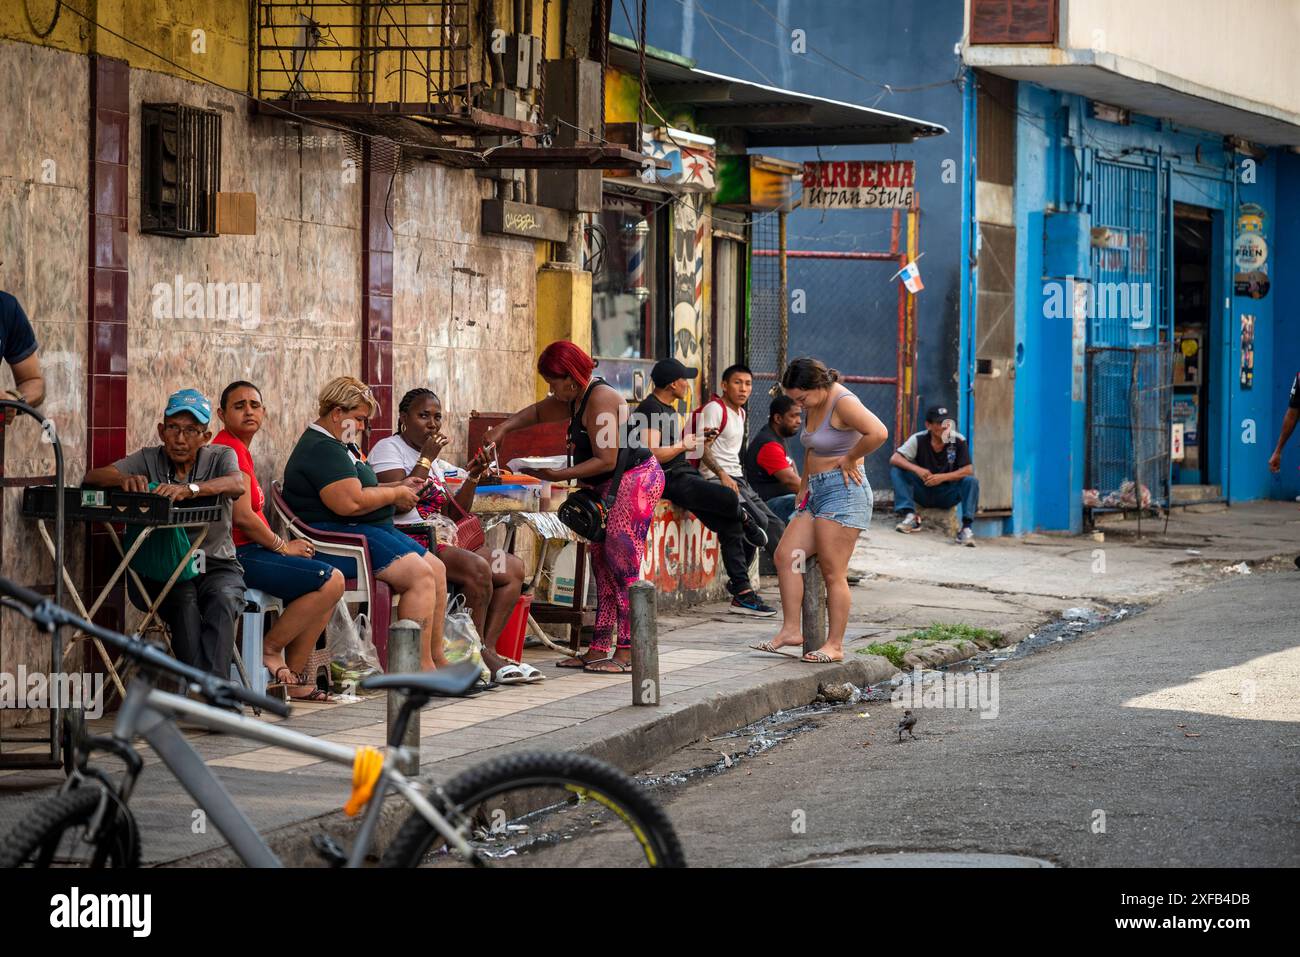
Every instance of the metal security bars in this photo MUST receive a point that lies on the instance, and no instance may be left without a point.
(180, 169)
(1129, 394)
(365, 52)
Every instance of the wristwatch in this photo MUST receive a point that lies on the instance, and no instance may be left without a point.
(194, 490)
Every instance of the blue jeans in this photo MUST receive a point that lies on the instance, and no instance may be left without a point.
(782, 506)
(910, 490)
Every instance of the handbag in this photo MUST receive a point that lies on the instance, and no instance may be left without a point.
(586, 512)
(161, 552)
(469, 530)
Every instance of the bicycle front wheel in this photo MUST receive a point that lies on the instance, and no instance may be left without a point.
(56, 833)
(544, 809)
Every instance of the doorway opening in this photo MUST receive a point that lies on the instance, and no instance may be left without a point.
(1194, 454)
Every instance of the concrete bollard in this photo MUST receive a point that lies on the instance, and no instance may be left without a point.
(404, 658)
(645, 643)
(814, 622)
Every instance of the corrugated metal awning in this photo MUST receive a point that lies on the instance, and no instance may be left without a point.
(765, 116)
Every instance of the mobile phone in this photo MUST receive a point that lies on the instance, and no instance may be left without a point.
(712, 433)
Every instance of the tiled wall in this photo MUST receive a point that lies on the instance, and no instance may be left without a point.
(44, 226)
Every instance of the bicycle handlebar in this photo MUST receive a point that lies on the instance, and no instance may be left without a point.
(219, 691)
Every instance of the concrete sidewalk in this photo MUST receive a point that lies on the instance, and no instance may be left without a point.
(712, 682)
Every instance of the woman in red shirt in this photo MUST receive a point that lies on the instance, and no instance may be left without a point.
(309, 588)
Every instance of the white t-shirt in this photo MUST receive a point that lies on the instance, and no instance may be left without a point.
(395, 452)
(730, 443)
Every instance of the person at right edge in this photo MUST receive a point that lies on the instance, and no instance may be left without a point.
(934, 469)
(1288, 426)
(834, 502)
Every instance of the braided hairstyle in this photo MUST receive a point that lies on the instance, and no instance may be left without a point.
(409, 399)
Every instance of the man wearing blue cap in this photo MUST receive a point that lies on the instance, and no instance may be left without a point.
(204, 604)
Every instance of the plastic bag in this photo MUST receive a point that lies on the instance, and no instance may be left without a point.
(350, 645)
(461, 641)
(443, 529)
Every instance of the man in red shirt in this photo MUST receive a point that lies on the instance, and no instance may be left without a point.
(768, 466)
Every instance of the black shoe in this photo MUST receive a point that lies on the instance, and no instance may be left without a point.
(748, 603)
(754, 533)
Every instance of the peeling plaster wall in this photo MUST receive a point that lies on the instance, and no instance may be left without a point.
(463, 302)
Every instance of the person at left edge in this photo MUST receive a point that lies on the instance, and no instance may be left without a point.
(18, 345)
(201, 612)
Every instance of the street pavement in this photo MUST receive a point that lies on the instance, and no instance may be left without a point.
(1169, 739)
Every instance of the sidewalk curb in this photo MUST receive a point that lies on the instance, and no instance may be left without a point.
(634, 739)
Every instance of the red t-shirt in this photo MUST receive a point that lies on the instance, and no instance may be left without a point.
(246, 466)
(773, 458)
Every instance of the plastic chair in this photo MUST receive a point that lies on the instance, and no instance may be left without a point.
(257, 604)
(364, 588)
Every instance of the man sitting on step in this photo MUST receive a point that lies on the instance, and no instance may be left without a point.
(934, 469)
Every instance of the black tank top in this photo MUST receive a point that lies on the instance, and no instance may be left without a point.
(580, 440)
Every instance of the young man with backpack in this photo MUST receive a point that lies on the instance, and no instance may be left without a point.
(720, 460)
(659, 425)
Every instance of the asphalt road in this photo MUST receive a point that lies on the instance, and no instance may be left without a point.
(1169, 739)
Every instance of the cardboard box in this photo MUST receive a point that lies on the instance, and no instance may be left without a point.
(237, 214)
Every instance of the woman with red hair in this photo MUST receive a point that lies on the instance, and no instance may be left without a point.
(597, 418)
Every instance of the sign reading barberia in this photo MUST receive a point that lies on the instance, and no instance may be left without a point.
(858, 184)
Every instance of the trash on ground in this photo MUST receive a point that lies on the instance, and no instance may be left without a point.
(843, 692)
(1241, 568)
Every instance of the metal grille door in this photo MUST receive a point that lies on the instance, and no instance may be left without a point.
(1129, 364)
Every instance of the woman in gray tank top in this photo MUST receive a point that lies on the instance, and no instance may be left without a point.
(834, 502)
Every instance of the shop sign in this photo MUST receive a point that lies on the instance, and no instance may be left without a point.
(681, 554)
(859, 184)
(689, 166)
(1250, 252)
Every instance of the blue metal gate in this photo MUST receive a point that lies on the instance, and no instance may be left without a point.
(1129, 335)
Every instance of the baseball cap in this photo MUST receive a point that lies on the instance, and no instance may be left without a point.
(937, 413)
(191, 401)
(670, 370)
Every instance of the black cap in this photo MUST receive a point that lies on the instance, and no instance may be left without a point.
(937, 413)
(670, 370)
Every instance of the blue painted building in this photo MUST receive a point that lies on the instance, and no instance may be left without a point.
(1139, 230)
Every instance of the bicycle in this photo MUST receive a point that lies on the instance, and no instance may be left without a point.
(485, 815)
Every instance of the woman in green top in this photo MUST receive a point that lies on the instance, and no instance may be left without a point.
(329, 488)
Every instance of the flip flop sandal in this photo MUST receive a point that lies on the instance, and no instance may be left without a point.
(316, 694)
(510, 675)
(620, 667)
(574, 662)
(820, 658)
(771, 649)
(275, 675)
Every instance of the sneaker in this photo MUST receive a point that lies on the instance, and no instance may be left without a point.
(754, 533)
(966, 536)
(748, 603)
(911, 523)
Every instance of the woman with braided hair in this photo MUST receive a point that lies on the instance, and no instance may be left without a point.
(597, 417)
(492, 580)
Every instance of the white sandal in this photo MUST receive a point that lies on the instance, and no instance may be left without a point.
(511, 674)
(531, 674)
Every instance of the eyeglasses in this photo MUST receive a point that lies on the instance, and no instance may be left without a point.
(189, 431)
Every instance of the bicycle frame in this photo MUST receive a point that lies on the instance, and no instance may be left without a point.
(151, 714)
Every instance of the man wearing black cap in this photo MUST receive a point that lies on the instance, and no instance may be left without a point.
(933, 468)
(717, 507)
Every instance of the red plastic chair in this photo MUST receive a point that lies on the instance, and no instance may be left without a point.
(365, 588)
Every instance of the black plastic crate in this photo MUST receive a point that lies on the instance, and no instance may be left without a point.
(146, 508)
(88, 504)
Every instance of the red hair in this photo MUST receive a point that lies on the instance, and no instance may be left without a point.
(563, 358)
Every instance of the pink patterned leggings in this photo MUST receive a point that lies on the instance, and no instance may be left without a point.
(616, 562)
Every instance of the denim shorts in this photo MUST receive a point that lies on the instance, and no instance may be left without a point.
(386, 543)
(828, 498)
(287, 577)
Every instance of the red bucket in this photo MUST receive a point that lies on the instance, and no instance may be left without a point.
(511, 642)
